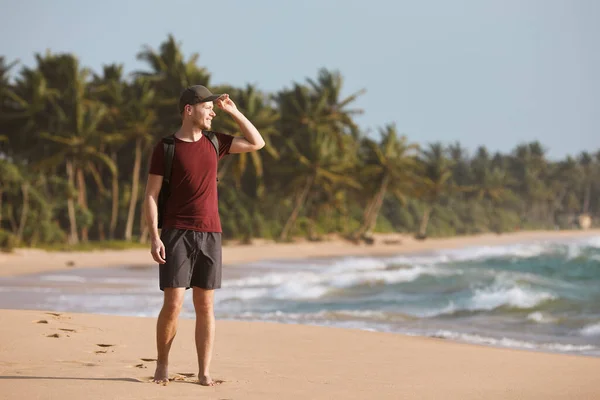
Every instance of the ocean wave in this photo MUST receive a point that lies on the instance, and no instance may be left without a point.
(375, 320)
(313, 285)
(541, 318)
(593, 241)
(491, 298)
(515, 296)
(591, 330)
(512, 343)
(570, 250)
(322, 316)
(64, 278)
(448, 309)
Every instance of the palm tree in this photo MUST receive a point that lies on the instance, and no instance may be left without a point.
(530, 172)
(586, 164)
(264, 117)
(110, 90)
(169, 74)
(389, 167)
(461, 171)
(5, 68)
(139, 128)
(315, 159)
(80, 152)
(434, 182)
(29, 105)
(329, 85)
(10, 176)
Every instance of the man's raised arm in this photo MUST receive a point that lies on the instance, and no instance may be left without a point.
(252, 139)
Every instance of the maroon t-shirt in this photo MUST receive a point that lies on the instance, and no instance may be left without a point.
(192, 203)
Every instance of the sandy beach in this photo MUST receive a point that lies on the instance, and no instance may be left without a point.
(63, 355)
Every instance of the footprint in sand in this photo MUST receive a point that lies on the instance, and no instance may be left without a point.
(105, 345)
(141, 366)
(100, 352)
(67, 330)
(191, 377)
(54, 335)
(148, 359)
(54, 314)
(41, 321)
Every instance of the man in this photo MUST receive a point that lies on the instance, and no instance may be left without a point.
(188, 249)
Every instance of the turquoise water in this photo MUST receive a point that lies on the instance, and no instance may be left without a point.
(542, 295)
(537, 295)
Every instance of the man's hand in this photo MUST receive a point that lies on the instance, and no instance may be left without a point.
(226, 104)
(158, 251)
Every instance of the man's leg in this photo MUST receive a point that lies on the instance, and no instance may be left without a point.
(166, 328)
(205, 332)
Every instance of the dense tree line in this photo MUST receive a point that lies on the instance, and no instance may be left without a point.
(75, 146)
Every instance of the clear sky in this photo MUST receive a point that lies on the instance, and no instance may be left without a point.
(487, 72)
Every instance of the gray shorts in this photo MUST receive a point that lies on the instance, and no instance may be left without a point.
(193, 259)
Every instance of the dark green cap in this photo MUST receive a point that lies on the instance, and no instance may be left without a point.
(194, 95)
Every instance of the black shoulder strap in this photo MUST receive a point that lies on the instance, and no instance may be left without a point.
(169, 146)
(210, 135)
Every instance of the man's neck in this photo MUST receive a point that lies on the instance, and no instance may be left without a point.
(189, 133)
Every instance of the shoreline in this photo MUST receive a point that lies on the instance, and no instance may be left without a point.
(30, 261)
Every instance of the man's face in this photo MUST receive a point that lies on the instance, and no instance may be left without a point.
(202, 114)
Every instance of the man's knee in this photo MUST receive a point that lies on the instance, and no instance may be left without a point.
(173, 300)
(203, 300)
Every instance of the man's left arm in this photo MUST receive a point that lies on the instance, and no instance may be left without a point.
(251, 140)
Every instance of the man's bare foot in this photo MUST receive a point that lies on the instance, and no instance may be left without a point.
(205, 380)
(161, 375)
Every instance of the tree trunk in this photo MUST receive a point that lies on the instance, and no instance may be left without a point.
(115, 201)
(82, 201)
(11, 218)
(366, 216)
(372, 211)
(24, 211)
(1, 193)
(299, 203)
(424, 222)
(377, 207)
(586, 199)
(143, 227)
(73, 237)
(134, 189)
(101, 233)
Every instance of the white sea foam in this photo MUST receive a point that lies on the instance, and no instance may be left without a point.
(591, 330)
(513, 343)
(316, 284)
(29, 289)
(450, 308)
(541, 318)
(515, 296)
(63, 278)
(593, 241)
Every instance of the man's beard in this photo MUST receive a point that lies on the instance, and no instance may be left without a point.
(201, 124)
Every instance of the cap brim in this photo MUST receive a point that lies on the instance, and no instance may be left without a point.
(210, 98)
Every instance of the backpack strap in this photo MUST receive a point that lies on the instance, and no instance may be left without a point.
(169, 147)
(210, 135)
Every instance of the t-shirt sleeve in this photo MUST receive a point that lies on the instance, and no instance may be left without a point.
(224, 143)
(157, 161)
